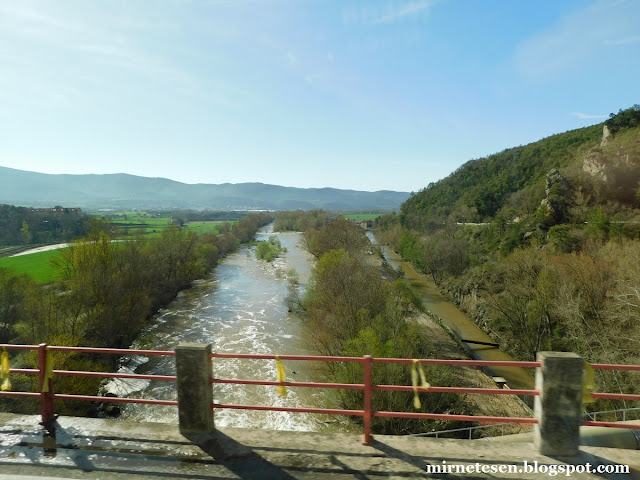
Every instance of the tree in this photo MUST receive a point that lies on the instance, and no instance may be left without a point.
(520, 291)
(14, 292)
(339, 234)
(343, 296)
(25, 233)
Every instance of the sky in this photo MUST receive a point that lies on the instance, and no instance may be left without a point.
(353, 94)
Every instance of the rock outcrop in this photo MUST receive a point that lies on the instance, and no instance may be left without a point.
(556, 203)
(606, 136)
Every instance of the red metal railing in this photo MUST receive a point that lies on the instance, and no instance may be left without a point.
(47, 395)
(367, 413)
(46, 386)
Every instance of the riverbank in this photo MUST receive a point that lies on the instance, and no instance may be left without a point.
(445, 333)
(474, 377)
(460, 325)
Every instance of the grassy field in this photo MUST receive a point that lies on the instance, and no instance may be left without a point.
(205, 227)
(37, 265)
(129, 225)
(361, 217)
(145, 225)
(149, 225)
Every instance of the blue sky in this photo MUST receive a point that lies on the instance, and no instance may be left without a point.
(364, 95)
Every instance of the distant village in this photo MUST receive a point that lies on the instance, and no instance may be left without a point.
(56, 209)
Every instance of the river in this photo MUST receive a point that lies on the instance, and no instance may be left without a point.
(238, 308)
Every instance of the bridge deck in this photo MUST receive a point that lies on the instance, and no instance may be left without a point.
(113, 449)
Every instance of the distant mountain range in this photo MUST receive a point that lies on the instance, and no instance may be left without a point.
(122, 191)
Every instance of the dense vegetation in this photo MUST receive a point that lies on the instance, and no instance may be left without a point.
(624, 119)
(350, 309)
(480, 188)
(24, 226)
(106, 292)
(555, 266)
(300, 220)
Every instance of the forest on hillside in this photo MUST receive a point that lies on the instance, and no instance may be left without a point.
(555, 264)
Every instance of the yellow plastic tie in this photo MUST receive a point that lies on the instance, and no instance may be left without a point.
(281, 388)
(588, 385)
(417, 370)
(48, 371)
(5, 369)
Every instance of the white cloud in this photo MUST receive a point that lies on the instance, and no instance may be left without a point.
(587, 116)
(291, 58)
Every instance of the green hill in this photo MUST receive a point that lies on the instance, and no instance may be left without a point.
(478, 189)
(554, 263)
(595, 165)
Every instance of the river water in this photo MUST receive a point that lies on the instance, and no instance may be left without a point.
(239, 308)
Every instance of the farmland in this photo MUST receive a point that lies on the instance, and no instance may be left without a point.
(120, 226)
(149, 225)
(363, 217)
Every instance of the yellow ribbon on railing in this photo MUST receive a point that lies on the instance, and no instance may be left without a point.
(588, 384)
(5, 369)
(48, 371)
(418, 370)
(281, 389)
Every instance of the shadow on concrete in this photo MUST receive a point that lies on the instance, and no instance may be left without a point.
(246, 462)
(422, 462)
(56, 449)
(239, 459)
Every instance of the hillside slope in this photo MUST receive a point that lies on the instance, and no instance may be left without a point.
(19, 187)
(478, 189)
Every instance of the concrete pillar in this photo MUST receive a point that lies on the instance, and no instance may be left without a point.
(195, 392)
(558, 408)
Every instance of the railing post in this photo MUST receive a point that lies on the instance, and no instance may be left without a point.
(195, 392)
(367, 400)
(558, 408)
(47, 409)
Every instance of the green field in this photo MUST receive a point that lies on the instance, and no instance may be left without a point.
(205, 227)
(129, 225)
(361, 217)
(38, 265)
(148, 225)
(145, 225)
